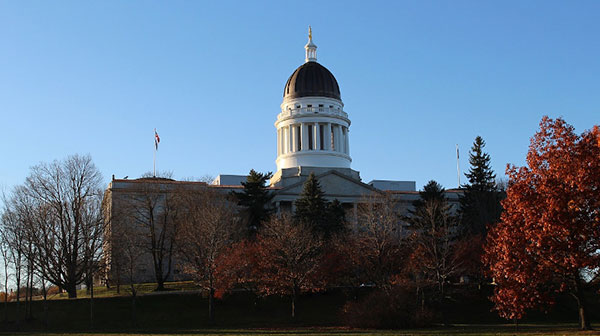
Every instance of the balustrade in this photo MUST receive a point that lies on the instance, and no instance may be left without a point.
(307, 110)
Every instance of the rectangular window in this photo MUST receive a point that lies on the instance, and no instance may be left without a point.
(310, 137)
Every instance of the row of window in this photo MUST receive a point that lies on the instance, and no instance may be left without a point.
(309, 107)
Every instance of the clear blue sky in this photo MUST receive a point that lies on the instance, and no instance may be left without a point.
(416, 77)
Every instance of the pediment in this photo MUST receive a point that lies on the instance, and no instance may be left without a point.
(334, 185)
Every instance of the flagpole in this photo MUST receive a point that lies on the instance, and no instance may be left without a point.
(154, 174)
(457, 166)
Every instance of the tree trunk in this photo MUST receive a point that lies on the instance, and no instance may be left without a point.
(584, 323)
(87, 286)
(92, 305)
(294, 303)
(160, 286)
(118, 281)
(45, 293)
(6, 293)
(211, 305)
(579, 296)
(71, 289)
(18, 320)
(30, 304)
(133, 317)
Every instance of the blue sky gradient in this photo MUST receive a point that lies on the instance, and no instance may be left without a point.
(416, 77)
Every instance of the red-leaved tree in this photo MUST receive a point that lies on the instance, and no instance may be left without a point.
(548, 240)
(288, 260)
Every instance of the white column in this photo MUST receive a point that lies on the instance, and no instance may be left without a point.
(347, 141)
(304, 130)
(278, 141)
(336, 138)
(342, 140)
(327, 135)
(317, 134)
(284, 140)
(292, 139)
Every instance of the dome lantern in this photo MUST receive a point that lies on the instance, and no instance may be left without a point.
(311, 48)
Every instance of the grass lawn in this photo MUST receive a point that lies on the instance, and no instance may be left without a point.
(458, 330)
(143, 288)
(183, 311)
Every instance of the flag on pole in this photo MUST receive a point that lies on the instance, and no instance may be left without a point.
(457, 166)
(156, 139)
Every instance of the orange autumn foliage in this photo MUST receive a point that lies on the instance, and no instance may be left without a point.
(549, 235)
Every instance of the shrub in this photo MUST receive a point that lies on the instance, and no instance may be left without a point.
(394, 309)
(52, 290)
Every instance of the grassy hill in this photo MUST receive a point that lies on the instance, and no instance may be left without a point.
(184, 308)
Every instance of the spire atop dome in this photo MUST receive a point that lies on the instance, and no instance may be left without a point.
(311, 48)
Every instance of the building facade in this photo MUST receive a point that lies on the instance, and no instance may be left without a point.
(313, 136)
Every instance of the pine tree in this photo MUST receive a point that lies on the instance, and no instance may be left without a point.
(255, 200)
(337, 218)
(314, 211)
(431, 191)
(311, 205)
(480, 202)
(432, 205)
(481, 176)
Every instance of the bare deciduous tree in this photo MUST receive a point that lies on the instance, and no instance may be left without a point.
(127, 252)
(208, 227)
(381, 240)
(154, 210)
(438, 251)
(289, 259)
(4, 254)
(14, 238)
(66, 229)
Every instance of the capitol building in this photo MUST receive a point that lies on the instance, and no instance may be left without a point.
(313, 136)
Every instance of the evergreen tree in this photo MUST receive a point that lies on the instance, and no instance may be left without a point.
(337, 218)
(255, 200)
(481, 176)
(314, 211)
(432, 205)
(431, 191)
(311, 205)
(480, 202)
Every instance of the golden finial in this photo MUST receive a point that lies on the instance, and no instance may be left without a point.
(309, 33)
